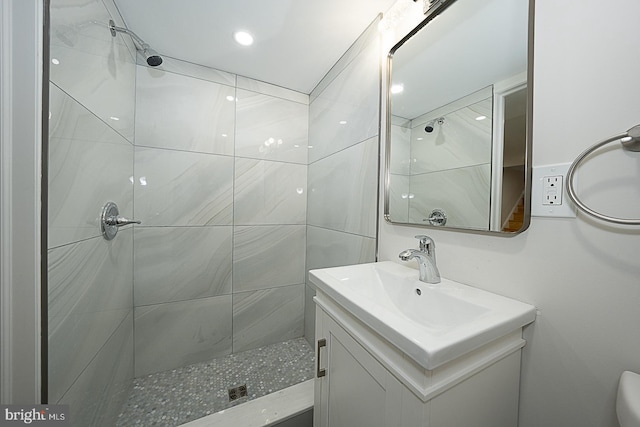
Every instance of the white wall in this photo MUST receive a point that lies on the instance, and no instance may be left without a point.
(582, 275)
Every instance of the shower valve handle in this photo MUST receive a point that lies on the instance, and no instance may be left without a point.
(119, 221)
(110, 221)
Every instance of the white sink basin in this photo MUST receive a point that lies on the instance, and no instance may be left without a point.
(433, 324)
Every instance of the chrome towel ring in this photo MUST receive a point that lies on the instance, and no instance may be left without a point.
(630, 141)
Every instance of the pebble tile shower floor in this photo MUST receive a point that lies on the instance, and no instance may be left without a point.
(181, 395)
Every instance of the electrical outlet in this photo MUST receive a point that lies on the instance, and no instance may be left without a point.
(548, 192)
(552, 190)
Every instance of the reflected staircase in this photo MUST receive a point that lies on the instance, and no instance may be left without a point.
(516, 220)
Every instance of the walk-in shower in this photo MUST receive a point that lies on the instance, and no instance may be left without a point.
(204, 292)
(216, 271)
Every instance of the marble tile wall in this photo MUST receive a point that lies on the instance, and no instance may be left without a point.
(343, 164)
(90, 65)
(221, 189)
(90, 280)
(345, 112)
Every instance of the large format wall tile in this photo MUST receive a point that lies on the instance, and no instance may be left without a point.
(181, 263)
(268, 316)
(68, 119)
(175, 188)
(462, 193)
(97, 396)
(343, 164)
(328, 248)
(83, 25)
(183, 113)
(96, 69)
(89, 165)
(177, 334)
(346, 112)
(74, 341)
(191, 185)
(268, 256)
(370, 35)
(343, 190)
(90, 293)
(271, 128)
(113, 11)
(91, 275)
(269, 192)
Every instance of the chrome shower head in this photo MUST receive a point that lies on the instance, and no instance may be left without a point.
(150, 55)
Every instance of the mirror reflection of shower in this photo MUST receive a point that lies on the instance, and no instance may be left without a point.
(151, 56)
(430, 126)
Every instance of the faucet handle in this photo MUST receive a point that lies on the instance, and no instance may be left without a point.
(426, 243)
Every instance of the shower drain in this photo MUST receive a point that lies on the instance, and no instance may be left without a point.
(237, 392)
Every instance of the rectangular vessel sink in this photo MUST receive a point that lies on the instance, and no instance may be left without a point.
(433, 324)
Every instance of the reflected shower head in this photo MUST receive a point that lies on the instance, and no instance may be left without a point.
(150, 55)
(429, 127)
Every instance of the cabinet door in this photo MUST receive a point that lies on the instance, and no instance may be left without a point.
(356, 390)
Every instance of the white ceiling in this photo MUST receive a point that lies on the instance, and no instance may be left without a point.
(296, 41)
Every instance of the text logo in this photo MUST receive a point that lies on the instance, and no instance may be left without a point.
(36, 415)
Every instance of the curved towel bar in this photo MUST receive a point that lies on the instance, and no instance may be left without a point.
(630, 141)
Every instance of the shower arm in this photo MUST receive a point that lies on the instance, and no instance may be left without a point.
(150, 55)
(140, 44)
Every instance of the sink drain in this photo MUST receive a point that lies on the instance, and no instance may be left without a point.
(418, 291)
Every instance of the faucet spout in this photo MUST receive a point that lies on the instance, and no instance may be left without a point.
(426, 257)
(407, 255)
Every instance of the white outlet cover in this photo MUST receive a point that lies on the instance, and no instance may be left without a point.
(565, 210)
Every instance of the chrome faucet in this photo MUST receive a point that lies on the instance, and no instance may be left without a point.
(426, 257)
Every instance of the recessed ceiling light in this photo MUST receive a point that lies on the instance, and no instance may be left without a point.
(342, 122)
(55, 61)
(481, 118)
(243, 38)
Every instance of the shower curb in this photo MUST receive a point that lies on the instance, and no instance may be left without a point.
(267, 410)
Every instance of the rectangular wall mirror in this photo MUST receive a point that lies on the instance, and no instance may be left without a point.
(459, 119)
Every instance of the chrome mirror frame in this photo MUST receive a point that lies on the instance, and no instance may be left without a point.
(435, 10)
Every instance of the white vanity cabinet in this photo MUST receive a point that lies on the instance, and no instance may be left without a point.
(364, 380)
